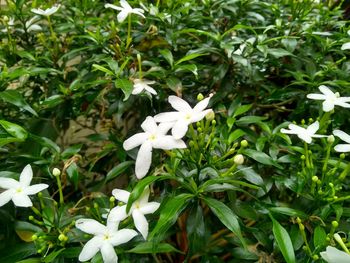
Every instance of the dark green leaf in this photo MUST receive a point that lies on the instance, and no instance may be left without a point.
(118, 170)
(126, 86)
(283, 241)
(153, 248)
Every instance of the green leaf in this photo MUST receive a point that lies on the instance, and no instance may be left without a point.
(283, 241)
(242, 109)
(187, 67)
(16, 98)
(103, 69)
(189, 57)
(14, 130)
(169, 213)
(235, 135)
(166, 53)
(278, 52)
(30, 260)
(126, 86)
(52, 101)
(319, 237)
(70, 151)
(226, 216)
(153, 248)
(174, 84)
(50, 257)
(261, 157)
(73, 174)
(118, 170)
(288, 211)
(246, 120)
(46, 142)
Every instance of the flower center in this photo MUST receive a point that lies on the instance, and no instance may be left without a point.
(137, 205)
(337, 95)
(188, 116)
(152, 137)
(106, 237)
(19, 190)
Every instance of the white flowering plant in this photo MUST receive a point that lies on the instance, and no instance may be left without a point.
(174, 131)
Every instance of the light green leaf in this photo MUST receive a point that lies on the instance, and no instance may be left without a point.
(16, 98)
(126, 86)
(261, 157)
(166, 53)
(242, 109)
(153, 248)
(15, 130)
(189, 57)
(235, 135)
(103, 69)
(283, 241)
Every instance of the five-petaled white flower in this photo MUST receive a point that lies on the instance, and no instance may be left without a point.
(46, 12)
(334, 255)
(304, 134)
(138, 210)
(153, 137)
(346, 138)
(330, 98)
(125, 10)
(104, 240)
(18, 191)
(141, 85)
(184, 115)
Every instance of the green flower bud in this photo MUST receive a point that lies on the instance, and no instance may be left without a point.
(315, 257)
(40, 194)
(56, 172)
(244, 143)
(213, 122)
(238, 159)
(210, 115)
(62, 237)
(200, 130)
(342, 156)
(31, 218)
(330, 139)
(96, 206)
(34, 237)
(331, 185)
(298, 220)
(315, 178)
(303, 157)
(335, 224)
(112, 199)
(200, 97)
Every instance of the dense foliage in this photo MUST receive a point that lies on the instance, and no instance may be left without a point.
(79, 81)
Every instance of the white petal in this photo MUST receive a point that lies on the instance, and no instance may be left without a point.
(144, 196)
(143, 160)
(135, 141)
(122, 236)
(151, 90)
(180, 128)
(108, 253)
(168, 143)
(314, 96)
(116, 215)
(8, 183)
(149, 208)
(121, 195)
(26, 175)
(199, 115)
(333, 255)
(125, 4)
(137, 11)
(137, 89)
(179, 104)
(122, 16)
(35, 188)
(342, 104)
(167, 116)
(149, 125)
(312, 129)
(140, 222)
(90, 226)
(345, 46)
(327, 105)
(342, 135)
(90, 249)
(287, 131)
(343, 148)
(113, 7)
(201, 105)
(6, 196)
(34, 28)
(164, 127)
(296, 128)
(305, 137)
(326, 91)
(22, 200)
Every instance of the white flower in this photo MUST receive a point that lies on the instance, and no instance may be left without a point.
(125, 10)
(31, 24)
(153, 137)
(304, 134)
(138, 210)
(104, 240)
(346, 138)
(333, 255)
(46, 12)
(184, 115)
(10, 23)
(330, 98)
(18, 191)
(143, 84)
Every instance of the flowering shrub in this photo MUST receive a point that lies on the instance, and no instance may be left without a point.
(164, 131)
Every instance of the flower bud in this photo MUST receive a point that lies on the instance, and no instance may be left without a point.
(56, 172)
(315, 178)
(303, 157)
(315, 257)
(244, 143)
(238, 159)
(5, 19)
(34, 237)
(298, 220)
(330, 139)
(200, 97)
(342, 156)
(62, 237)
(210, 115)
(335, 224)
(112, 199)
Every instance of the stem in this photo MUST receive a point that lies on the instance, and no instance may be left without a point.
(324, 169)
(140, 65)
(307, 161)
(345, 172)
(58, 179)
(128, 40)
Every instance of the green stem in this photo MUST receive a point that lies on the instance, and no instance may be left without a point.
(345, 172)
(324, 168)
(307, 161)
(59, 184)
(128, 40)
(140, 65)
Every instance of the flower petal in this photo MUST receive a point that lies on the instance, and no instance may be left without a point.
(342, 135)
(343, 148)
(333, 255)
(201, 105)
(168, 143)
(326, 91)
(26, 175)
(312, 128)
(144, 196)
(108, 253)
(117, 214)
(122, 236)
(149, 208)
(21, 200)
(315, 96)
(151, 90)
(197, 116)
(125, 4)
(121, 195)
(8, 183)
(137, 89)
(90, 226)
(164, 127)
(140, 222)
(143, 160)
(342, 104)
(149, 125)
(35, 188)
(6, 196)
(179, 104)
(305, 137)
(90, 249)
(135, 141)
(113, 7)
(167, 116)
(180, 128)
(122, 16)
(327, 105)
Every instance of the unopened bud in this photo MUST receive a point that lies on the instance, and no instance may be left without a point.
(112, 199)
(315, 257)
(335, 224)
(238, 159)
(62, 237)
(56, 172)
(342, 156)
(210, 115)
(315, 178)
(244, 143)
(330, 139)
(34, 237)
(5, 19)
(200, 97)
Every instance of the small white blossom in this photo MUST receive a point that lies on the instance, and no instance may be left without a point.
(330, 98)
(125, 10)
(304, 134)
(346, 138)
(153, 137)
(184, 115)
(47, 12)
(141, 85)
(333, 255)
(31, 24)
(104, 240)
(10, 23)
(18, 191)
(138, 210)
